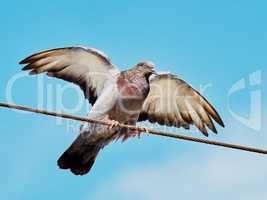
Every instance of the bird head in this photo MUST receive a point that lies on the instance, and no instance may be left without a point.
(146, 68)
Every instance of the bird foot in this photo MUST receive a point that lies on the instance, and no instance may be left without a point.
(135, 133)
(112, 124)
(146, 130)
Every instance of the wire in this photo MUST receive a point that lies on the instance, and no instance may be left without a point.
(141, 129)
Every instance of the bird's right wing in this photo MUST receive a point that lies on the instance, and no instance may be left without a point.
(173, 102)
(87, 67)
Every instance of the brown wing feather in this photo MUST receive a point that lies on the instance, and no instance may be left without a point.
(171, 101)
(87, 67)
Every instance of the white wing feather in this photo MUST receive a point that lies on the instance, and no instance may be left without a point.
(87, 67)
(171, 101)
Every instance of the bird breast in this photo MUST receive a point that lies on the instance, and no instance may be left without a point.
(134, 86)
(133, 91)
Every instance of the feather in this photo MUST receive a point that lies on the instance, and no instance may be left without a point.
(178, 104)
(86, 67)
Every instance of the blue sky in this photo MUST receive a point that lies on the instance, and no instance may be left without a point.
(204, 42)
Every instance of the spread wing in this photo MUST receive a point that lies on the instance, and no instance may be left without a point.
(87, 67)
(171, 101)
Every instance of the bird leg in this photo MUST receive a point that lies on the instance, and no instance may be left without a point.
(137, 132)
(112, 124)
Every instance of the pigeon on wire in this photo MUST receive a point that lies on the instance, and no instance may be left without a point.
(126, 97)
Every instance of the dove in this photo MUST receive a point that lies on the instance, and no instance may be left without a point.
(127, 97)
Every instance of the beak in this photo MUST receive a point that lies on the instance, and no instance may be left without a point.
(154, 73)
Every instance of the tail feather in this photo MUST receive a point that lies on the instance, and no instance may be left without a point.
(79, 158)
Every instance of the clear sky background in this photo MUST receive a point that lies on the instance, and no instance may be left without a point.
(215, 43)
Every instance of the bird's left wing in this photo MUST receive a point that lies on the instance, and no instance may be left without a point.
(171, 101)
(89, 68)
